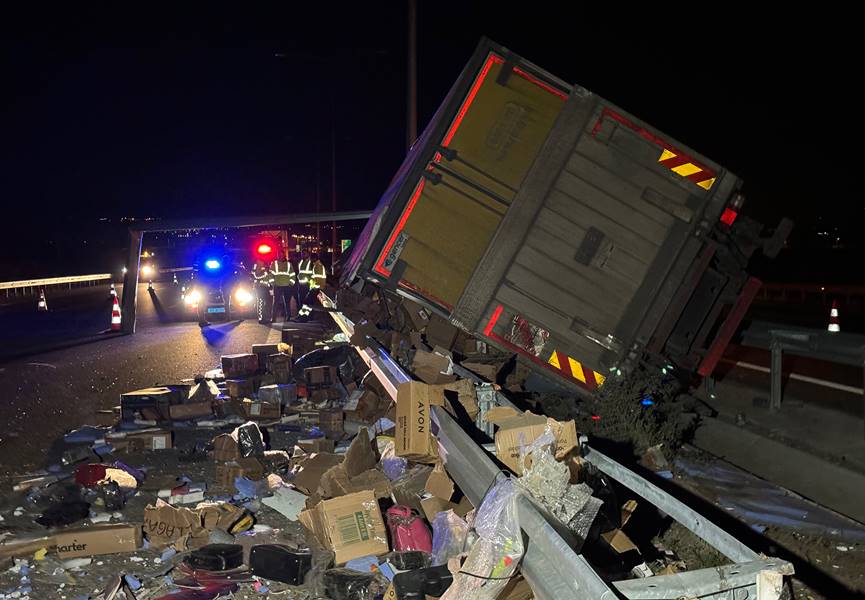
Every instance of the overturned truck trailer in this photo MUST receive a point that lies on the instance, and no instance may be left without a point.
(549, 222)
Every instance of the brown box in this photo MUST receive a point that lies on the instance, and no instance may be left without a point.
(414, 440)
(180, 412)
(143, 441)
(263, 351)
(350, 525)
(279, 367)
(487, 371)
(226, 472)
(517, 430)
(317, 445)
(206, 391)
(238, 366)
(440, 332)
(154, 401)
(320, 377)
(240, 388)
(330, 421)
(323, 395)
(431, 368)
(95, 540)
(279, 393)
(261, 410)
(225, 448)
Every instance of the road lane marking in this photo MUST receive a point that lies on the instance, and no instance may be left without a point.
(821, 382)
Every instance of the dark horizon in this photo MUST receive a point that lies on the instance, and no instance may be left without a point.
(219, 113)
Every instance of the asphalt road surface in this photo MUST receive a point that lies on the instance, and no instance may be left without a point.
(47, 394)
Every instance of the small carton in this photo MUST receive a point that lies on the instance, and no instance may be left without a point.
(414, 439)
(439, 332)
(487, 371)
(262, 351)
(165, 524)
(350, 525)
(320, 382)
(238, 366)
(148, 403)
(194, 410)
(141, 441)
(262, 410)
(278, 393)
(432, 368)
(439, 484)
(225, 448)
(518, 430)
(240, 388)
(226, 472)
(96, 540)
(310, 470)
(331, 422)
(316, 445)
(279, 367)
(431, 506)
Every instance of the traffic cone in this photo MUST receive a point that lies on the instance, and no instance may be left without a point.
(183, 292)
(115, 315)
(149, 286)
(113, 291)
(43, 305)
(834, 322)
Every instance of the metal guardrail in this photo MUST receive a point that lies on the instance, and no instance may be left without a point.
(33, 284)
(550, 565)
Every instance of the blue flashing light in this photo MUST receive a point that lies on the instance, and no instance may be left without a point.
(647, 401)
(212, 264)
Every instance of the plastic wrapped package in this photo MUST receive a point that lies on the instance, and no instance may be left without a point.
(249, 440)
(392, 466)
(348, 584)
(407, 530)
(548, 481)
(449, 537)
(493, 559)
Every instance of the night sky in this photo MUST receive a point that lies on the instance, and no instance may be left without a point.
(224, 112)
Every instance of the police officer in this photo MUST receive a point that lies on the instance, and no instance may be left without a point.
(304, 277)
(262, 280)
(284, 280)
(317, 279)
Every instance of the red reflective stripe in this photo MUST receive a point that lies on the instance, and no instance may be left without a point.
(728, 328)
(540, 83)
(488, 330)
(648, 135)
(380, 264)
(675, 161)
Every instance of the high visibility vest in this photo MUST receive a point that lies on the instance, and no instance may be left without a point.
(283, 273)
(319, 276)
(260, 274)
(305, 270)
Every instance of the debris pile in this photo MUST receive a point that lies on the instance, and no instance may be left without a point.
(303, 475)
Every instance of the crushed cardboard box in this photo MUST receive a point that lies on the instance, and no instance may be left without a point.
(309, 470)
(432, 368)
(439, 484)
(191, 410)
(485, 370)
(356, 473)
(96, 540)
(517, 430)
(350, 525)
(414, 439)
(238, 366)
(618, 539)
(466, 396)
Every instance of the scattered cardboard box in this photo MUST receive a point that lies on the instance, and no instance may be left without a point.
(96, 540)
(311, 468)
(356, 473)
(431, 506)
(439, 484)
(432, 368)
(414, 439)
(287, 501)
(206, 391)
(487, 371)
(240, 388)
(238, 366)
(408, 489)
(316, 445)
(350, 525)
(618, 539)
(261, 410)
(141, 441)
(466, 396)
(518, 430)
(165, 524)
(278, 393)
(182, 412)
(439, 332)
(149, 403)
(226, 472)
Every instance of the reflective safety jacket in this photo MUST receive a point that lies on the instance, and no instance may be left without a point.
(283, 273)
(319, 275)
(260, 275)
(304, 269)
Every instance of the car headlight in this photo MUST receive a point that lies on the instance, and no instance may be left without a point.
(192, 298)
(147, 270)
(242, 296)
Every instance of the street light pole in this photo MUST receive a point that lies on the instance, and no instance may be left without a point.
(411, 96)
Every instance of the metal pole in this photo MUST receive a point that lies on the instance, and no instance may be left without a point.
(776, 375)
(332, 175)
(411, 95)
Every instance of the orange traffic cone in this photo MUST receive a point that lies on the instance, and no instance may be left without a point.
(113, 291)
(834, 322)
(115, 315)
(42, 306)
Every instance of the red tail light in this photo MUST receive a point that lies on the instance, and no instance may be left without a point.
(729, 217)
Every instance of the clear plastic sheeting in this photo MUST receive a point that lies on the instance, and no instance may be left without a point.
(493, 559)
(548, 482)
(449, 537)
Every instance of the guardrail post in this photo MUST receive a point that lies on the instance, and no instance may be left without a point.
(130, 281)
(776, 372)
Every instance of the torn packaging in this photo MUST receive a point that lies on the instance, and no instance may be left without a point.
(193, 410)
(409, 488)
(431, 506)
(466, 396)
(155, 401)
(356, 473)
(206, 391)
(414, 439)
(432, 368)
(518, 430)
(309, 470)
(240, 388)
(225, 448)
(439, 484)
(165, 524)
(487, 371)
(249, 468)
(142, 441)
(350, 525)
